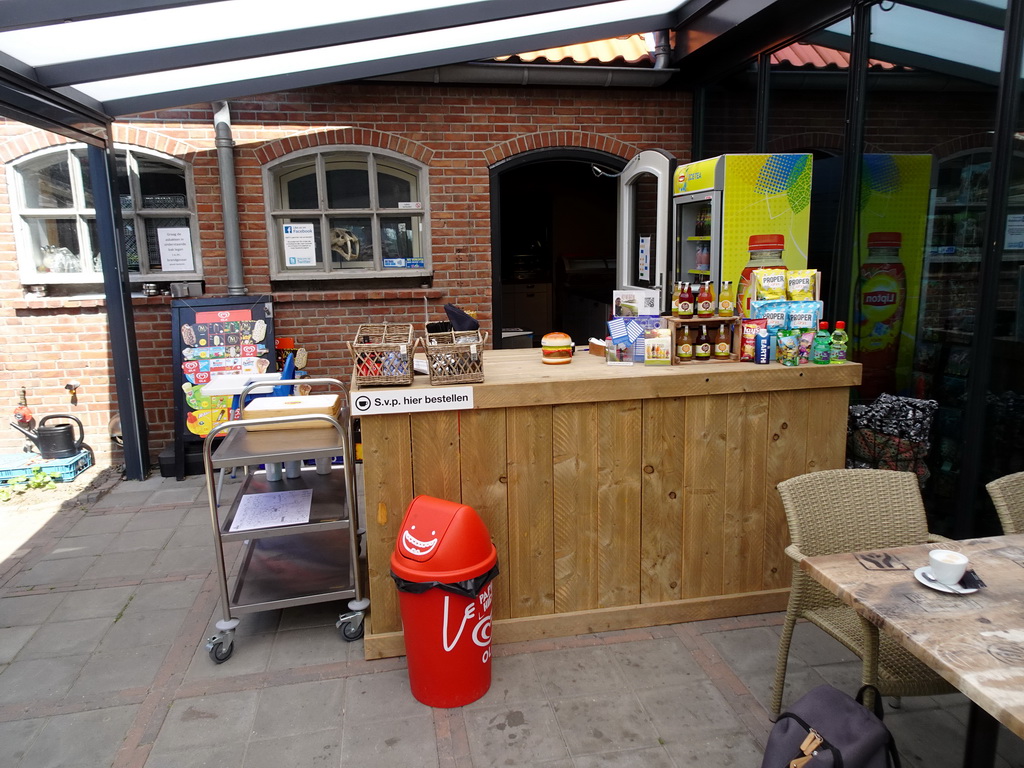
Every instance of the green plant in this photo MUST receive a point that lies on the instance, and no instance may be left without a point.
(39, 479)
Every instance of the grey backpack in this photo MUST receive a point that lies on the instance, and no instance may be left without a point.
(827, 728)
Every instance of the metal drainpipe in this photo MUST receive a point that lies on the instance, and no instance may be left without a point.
(662, 49)
(229, 198)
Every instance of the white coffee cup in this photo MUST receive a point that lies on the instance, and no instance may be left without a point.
(947, 566)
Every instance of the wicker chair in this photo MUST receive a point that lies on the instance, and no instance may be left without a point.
(849, 510)
(1008, 496)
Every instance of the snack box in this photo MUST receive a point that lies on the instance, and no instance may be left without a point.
(293, 405)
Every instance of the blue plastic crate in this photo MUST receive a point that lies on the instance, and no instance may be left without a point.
(18, 466)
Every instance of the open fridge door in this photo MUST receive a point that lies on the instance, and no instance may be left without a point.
(644, 225)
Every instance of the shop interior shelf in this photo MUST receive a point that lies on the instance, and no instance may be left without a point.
(284, 571)
(329, 508)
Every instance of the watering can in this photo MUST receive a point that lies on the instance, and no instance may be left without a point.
(55, 442)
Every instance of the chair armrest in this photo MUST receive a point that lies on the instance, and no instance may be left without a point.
(794, 552)
(935, 538)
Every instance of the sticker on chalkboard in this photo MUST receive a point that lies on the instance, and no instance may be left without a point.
(259, 330)
(188, 335)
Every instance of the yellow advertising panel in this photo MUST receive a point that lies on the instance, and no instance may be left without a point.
(765, 195)
(895, 194)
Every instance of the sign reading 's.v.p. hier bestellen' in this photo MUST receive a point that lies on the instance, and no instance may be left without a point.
(412, 400)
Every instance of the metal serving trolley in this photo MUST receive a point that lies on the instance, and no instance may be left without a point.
(294, 563)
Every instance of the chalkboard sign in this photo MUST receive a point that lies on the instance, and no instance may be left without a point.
(214, 337)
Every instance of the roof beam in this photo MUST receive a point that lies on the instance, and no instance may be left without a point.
(288, 41)
(377, 67)
(23, 14)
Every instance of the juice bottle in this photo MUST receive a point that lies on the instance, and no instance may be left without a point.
(765, 252)
(821, 345)
(840, 342)
(677, 289)
(723, 343)
(702, 350)
(882, 290)
(706, 300)
(684, 346)
(687, 304)
(727, 300)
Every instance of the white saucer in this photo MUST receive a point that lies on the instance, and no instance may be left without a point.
(955, 589)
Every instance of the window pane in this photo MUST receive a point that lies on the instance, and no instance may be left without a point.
(348, 183)
(395, 184)
(48, 184)
(296, 185)
(82, 156)
(124, 190)
(162, 184)
(351, 243)
(400, 243)
(131, 245)
(153, 245)
(295, 256)
(54, 245)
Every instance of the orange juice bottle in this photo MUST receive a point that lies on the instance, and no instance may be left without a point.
(727, 300)
(706, 300)
(702, 349)
(723, 343)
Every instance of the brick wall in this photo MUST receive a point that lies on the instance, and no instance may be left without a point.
(459, 133)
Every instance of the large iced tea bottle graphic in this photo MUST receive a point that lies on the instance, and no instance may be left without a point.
(882, 297)
(765, 253)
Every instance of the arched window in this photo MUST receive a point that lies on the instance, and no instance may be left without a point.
(347, 212)
(55, 216)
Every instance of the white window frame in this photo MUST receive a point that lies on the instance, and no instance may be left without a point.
(325, 269)
(22, 216)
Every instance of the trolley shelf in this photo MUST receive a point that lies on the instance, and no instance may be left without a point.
(329, 508)
(283, 571)
(241, 448)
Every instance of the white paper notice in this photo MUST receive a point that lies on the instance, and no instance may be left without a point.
(270, 510)
(299, 245)
(175, 244)
(644, 256)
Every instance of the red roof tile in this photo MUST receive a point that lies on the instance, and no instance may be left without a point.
(629, 50)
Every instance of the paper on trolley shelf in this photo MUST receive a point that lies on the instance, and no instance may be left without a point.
(271, 510)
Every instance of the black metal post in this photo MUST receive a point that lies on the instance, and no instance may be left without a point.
(120, 318)
(764, 83)
(982, 348)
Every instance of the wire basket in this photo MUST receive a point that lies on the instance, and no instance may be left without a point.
(383, 354)
(455, 357)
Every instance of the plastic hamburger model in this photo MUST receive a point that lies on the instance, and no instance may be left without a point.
(556, 348)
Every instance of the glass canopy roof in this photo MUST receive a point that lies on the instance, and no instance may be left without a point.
(185, 52)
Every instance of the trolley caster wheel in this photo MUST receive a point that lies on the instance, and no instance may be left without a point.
(351, 631)
(220, 652)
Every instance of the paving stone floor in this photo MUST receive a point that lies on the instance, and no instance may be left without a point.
(105, 609)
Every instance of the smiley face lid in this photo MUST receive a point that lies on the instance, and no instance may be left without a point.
(442, 541)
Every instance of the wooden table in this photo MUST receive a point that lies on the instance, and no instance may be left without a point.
(617, 497)
(974, 641)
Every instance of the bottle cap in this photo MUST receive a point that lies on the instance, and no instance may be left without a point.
(823, 325)
(840, 325)
(885, 240)
(767, 242)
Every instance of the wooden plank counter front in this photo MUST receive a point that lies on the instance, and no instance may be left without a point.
(617, 496)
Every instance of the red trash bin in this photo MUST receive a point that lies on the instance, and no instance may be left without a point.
(443, 565)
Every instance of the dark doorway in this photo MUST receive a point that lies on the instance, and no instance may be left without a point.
(553, 221)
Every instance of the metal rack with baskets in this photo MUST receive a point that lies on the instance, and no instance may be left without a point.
(296, 562)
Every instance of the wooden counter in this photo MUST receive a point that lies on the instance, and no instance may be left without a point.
(617, 496)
